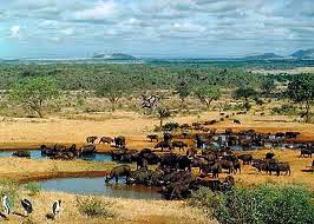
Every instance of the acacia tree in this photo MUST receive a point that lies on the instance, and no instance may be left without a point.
(267, 86)
(301, 90)
(207, 93)
(245, 94)
(113, 89)
(35, 93)
(183, 90)
(163, 113)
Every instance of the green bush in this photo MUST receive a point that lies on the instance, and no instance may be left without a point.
(33, 188)
(170, 126)
(267, 203)
(285, 109)
(93, 207)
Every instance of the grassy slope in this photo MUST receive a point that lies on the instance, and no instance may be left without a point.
(23, 169)
(125, 211)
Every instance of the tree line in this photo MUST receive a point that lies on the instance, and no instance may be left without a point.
(35, 86)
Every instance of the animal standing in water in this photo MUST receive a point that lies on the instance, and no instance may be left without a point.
(118, 171)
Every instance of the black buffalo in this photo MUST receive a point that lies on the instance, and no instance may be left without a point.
(118, 171)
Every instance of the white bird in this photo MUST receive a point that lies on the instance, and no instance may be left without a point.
(6, 204)
(56, 208)
(27, 205)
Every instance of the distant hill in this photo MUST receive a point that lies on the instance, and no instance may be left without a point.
(266, 56)
(303, 54)
(115, 56)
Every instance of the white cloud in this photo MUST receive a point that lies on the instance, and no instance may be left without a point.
(202, 22)
(68, 31)
(187, 27)
(33, 4)
(102, 10)
(16, 32)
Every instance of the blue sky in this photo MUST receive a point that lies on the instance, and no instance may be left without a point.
(154, 28)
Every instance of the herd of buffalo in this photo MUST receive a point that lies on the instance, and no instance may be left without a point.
(208, 151)
(199, 147)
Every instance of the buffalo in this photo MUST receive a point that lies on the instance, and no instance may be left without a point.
(246, 158)
(306, 152)
(152, 137)
(91, 139)
(178, 186)
(119, 141)
(278, 167)
(163, 145)
(22, 154)
(179, 144)
(151, 157)
(118, 171)
(215, 168)
(106, 140)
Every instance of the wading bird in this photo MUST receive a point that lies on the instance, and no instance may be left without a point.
(6, 204)
(56, 208)
(27, 205)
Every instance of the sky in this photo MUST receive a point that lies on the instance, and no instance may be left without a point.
(154, 28)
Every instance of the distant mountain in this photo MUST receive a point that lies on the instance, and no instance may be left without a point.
(115, 56)
(303, 54)
(265, 56)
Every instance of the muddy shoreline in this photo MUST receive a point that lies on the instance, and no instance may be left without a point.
(38, 176)
(37, 147)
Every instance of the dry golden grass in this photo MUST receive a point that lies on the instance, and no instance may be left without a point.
(124, 210)
(298, 70)
(33, 132)
(26, 169)
(250, 176)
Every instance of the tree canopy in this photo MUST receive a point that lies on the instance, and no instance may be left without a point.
(207, 93)
(301, 90)
(113, 89)
(244, 92)
(34, 93)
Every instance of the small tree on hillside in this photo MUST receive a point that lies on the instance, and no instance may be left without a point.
(183, 90)
(267, 86)
(162, 114)
(245, 94)
(301, 90)
(35, 93)
(207, 93)
(113, 89)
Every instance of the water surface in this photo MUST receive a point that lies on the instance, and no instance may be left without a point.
(36, 154)
(97, 186)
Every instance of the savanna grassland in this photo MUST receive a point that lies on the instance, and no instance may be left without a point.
(65, 103)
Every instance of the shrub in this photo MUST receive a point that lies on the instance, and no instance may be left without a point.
(285, 110)
(33, 188)
(264, 204)
(170, 126)
(93, 207)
